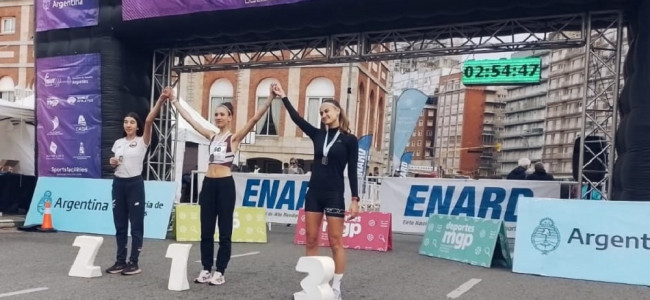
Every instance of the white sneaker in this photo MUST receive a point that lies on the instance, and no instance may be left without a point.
(337, 294)
(204, 276)
(217, 279)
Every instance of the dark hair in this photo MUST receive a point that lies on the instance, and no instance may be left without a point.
(344, 123)
(138, 121)
(228, 106)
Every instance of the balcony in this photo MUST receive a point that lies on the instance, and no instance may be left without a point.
(558, 156)
(520, 147)
(512, 109)
(533, 94)
(527, 133)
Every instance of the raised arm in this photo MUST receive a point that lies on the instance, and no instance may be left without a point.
(202, 130)
(310, 130)
(148, 123)
(240, 134)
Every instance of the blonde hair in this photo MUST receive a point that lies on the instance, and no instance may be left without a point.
(344, 123)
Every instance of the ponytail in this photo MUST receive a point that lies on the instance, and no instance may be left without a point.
(344, 123)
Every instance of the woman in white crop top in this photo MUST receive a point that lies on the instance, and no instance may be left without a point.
(217, 198)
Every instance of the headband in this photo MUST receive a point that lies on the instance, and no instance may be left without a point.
(226, 107)
(331, 103)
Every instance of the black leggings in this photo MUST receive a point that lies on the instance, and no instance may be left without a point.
(128, 206)
(217, 202)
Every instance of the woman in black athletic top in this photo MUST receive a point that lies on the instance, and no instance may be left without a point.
(334, 148)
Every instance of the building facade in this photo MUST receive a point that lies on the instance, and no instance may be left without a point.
(468, 124)
(275, 138)
(564, 108)
(16, 49)
(525, 117)
(423, 74)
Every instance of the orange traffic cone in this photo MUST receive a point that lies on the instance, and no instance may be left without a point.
(46, 226)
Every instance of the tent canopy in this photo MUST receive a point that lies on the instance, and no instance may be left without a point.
(20, 110)
(18, 133)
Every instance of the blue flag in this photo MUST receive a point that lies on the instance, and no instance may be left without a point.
(404, 164)
(409, 107)
(364, 155)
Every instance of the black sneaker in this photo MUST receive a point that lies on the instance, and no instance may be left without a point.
(116, 268)
(131, 269)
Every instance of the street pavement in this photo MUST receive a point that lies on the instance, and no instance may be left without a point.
(35, 265)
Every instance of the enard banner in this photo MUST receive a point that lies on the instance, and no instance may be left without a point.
(411, 201)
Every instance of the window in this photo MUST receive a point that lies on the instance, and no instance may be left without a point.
(419, 143)
(8, 25)
(221, 92)
(7, 91)
(268, 124)
(429, 132)
(417, 153)
(318, 90)
(421, 122)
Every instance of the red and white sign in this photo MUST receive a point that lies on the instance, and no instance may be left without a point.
(368, 231)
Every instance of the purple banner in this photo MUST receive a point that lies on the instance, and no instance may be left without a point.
(68, 110)
(59, 14)
(141, 9)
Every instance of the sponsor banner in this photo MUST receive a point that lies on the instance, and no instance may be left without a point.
(281, 194)
(60, 14)
(411, 201)
(248, 225)
(86, 205)
(404, 164)
(474, 241)
(409, 107)
(68, 105)
(364, 155)
(368, 231)
(141, 9)
(593, 240)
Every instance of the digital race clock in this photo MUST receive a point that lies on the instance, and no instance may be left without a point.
(502, 71)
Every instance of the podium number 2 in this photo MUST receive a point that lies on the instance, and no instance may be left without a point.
(320, 270)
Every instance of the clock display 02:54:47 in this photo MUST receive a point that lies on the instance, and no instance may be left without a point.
(526, 70)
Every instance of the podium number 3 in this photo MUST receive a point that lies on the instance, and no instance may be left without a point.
(320, 270)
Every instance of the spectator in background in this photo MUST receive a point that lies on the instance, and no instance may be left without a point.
(519, 173)
(285, 168)
(540, 173)
(294, 168)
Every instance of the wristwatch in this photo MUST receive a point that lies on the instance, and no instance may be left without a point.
(355, 198)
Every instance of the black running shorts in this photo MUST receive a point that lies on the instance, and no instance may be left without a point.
(330, 202)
